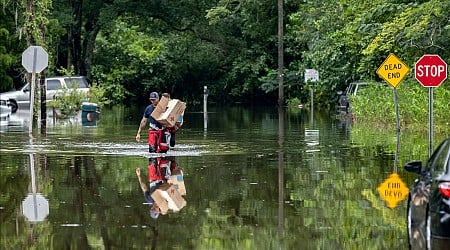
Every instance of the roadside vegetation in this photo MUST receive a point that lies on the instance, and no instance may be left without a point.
(130, 48)
(375, 106)
(69, 101)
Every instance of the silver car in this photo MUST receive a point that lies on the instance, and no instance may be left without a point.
(54, 86)
(344, 102)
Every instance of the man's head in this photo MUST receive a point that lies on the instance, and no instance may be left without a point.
(154, 212)
(154, 98)
(166, 95)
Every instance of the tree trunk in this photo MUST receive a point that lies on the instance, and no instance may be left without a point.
(91, 29)
(77, 6)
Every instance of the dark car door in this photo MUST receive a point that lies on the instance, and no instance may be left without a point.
(422, 207)
(438, 204)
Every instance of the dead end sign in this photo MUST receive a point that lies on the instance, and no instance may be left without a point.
(393, 70)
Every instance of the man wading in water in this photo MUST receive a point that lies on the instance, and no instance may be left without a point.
(155, 128)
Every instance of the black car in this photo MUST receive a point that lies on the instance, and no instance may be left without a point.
(428, 210)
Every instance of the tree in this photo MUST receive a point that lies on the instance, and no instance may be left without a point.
(9, 51)
(80, 22)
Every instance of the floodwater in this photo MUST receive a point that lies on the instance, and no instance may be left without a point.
(255, 178)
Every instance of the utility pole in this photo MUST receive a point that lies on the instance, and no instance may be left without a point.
(280, 55)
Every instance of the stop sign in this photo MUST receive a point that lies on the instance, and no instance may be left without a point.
(34, 58)
(431, 70)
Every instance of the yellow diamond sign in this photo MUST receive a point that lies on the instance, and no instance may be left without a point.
(393, 190)
(393, 70)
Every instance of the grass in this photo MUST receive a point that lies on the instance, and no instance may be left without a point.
(375, 106)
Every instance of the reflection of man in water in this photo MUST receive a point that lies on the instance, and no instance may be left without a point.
(159, 170)
(153, 184)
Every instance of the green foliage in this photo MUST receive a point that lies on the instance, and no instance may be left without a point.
(68, 102)
(130, 48)
(124, 61)
(294, 103)
(66, 72)
(415, 30)
(6, 61)
(10, 48)
(348, 42)
(97, 95)
(375, 106)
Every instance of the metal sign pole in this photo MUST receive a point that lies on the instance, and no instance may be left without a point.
(312, 108)
(430, 119)
(32, 89)
(397, 118)
(205, 108)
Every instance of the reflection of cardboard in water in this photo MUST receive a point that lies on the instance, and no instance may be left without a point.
(168, 198)
(177, 180)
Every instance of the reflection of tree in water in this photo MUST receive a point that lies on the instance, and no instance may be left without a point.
(236, 218)
(76, 201)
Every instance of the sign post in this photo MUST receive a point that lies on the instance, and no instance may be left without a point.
(393, 189)
(393, 70)
(430, 72)
(311, 75)
(34, 60)
(205, 108)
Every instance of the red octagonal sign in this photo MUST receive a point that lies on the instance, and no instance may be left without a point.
(431, 70)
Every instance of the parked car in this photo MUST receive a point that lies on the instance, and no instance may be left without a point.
(428, 208)
(344, 102)
(54, 87)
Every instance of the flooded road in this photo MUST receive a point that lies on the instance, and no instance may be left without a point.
(255, 178)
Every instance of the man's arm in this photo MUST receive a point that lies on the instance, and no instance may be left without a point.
(141, 126)
(141, 183)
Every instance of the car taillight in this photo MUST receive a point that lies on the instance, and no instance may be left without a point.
(444, 188)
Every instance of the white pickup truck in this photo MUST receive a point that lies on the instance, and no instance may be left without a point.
(54, 86)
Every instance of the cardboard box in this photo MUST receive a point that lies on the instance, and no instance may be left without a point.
(177, 180)
(168, 198)
(168, 111)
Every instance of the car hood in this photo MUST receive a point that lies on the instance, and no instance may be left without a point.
(6, 95)
(9, 94)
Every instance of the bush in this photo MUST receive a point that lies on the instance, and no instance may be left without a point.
(375, 105)
(97, 95)
(68, 102)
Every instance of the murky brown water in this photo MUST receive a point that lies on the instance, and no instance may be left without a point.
(254, 179)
